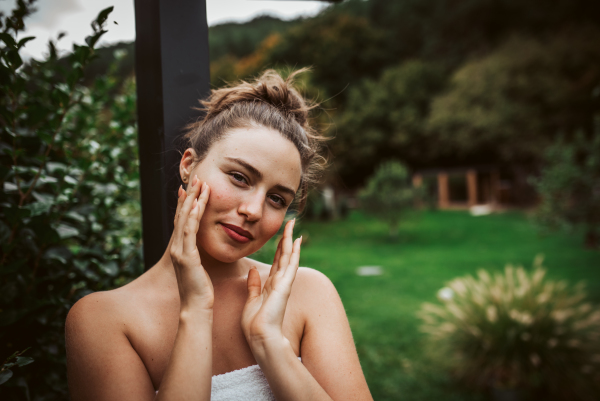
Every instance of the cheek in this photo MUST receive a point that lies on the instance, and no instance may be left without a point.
(271, 224)
(222, 197)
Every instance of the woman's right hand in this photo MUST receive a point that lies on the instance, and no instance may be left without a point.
(195, 287)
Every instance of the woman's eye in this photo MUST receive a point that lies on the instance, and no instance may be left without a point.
(278, 199)
(239, 178)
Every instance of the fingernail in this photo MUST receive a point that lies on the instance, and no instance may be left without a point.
(195, 180)
(195, 203)
(204, 186)
(300, 239)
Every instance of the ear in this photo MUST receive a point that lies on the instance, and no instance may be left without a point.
(187, 164)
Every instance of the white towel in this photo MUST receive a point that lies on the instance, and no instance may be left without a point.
(246, 384)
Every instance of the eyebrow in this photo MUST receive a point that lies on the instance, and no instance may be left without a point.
(259, 175)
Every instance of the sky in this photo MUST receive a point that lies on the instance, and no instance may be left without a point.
(74, 17)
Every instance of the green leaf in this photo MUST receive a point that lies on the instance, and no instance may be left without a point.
(38, 208)
(54, 167)
(14, 59)
(75, 216)
(9, 40)
(103, 15)
(5, 375)
(66, 231)
(70, 180)
(111, 268)
(59, 254)
(9, 187)
(24, 360)
(23, 41)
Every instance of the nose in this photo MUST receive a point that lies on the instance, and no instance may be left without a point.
(252, 205)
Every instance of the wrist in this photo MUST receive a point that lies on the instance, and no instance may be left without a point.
(191, 314)
(264, 346)
(196, 303)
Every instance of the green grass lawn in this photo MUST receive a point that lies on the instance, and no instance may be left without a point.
(433, 247)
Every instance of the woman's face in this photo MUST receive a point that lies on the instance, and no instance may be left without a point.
(253, 175)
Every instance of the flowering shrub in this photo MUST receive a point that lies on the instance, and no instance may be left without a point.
(519, 330)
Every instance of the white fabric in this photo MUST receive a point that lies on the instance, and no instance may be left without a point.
(246, 384)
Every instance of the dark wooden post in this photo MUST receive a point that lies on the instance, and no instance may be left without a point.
(471, 187)
(172, 73)
(443, 191)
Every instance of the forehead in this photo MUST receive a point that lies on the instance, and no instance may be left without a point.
(266, 150)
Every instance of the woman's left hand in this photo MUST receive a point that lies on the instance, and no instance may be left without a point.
(262, 317)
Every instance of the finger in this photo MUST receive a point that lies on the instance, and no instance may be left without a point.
(192, 194)
(253, 284)
(286, 248)
(190, 230)
(275, 265)
(203, 200)
(181, 195)
(292, 267)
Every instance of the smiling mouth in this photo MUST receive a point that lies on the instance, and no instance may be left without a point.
(237, 233)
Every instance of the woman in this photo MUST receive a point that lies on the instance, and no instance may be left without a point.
(206, 322)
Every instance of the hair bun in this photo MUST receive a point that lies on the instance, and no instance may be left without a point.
(269, 88)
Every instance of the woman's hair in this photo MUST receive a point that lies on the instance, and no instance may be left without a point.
(268, 101)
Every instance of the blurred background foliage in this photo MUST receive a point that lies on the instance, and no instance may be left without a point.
(429, 83)
(69, 205)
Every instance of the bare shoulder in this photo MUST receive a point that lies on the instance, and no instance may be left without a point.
(93, 319)
(92, 309)
(101, 363)
(309, 275)
(313, 283)
(314, 291)
(98, 309)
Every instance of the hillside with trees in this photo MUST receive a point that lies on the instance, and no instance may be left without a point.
(428, 82)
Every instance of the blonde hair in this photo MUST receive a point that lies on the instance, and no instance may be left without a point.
(269, 101)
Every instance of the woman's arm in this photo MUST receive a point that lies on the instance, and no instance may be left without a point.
(102, 364)
(330, 369)
(327, 346)
(189, 372)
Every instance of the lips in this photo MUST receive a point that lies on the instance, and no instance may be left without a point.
(237, 233)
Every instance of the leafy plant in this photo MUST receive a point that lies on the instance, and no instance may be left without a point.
(389, 194)
(69, 197)
(569, 187)
(14, 360)
(518, 330)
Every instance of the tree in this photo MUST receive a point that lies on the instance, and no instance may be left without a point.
(389, 194)
(569, 187)
(511, 103)
(386, 118)
(341, 48)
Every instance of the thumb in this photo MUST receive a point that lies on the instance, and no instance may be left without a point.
(253, 284)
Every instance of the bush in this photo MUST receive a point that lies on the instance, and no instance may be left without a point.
(69, 199)
(519, 330)
(389, 194)
(569, 187)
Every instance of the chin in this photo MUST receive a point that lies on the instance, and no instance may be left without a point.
(226, 252)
